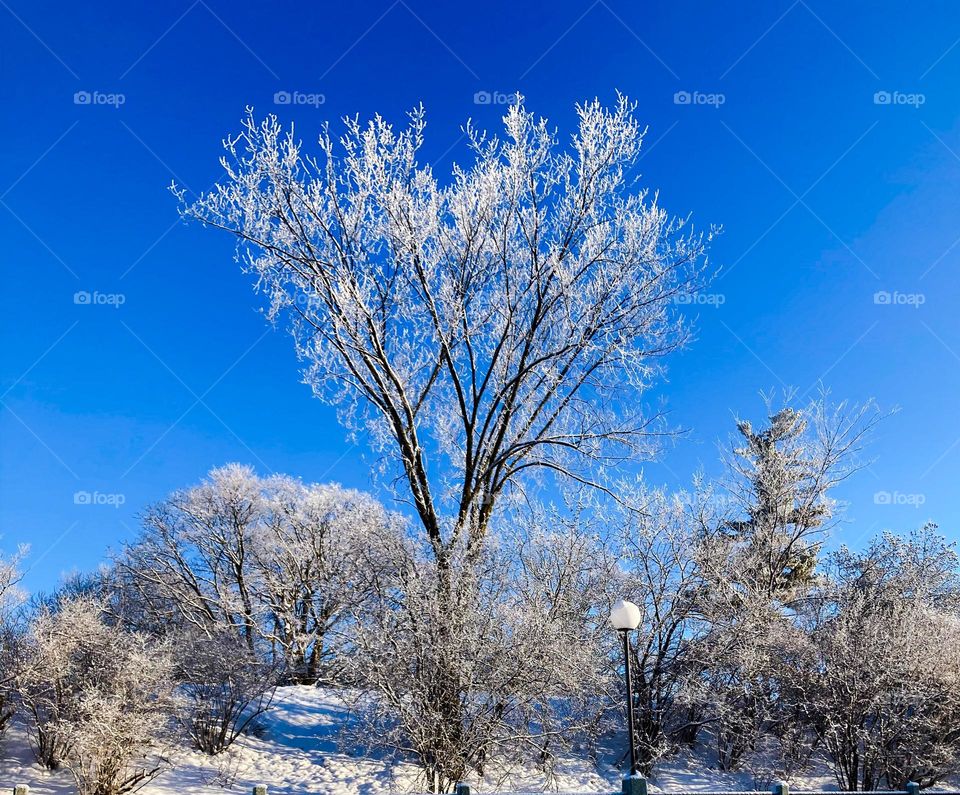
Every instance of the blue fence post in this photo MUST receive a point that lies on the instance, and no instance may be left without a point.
(634, 785)
(913, 788)
(462, 789)
(781, 788)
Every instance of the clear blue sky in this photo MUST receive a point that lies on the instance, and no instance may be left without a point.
(828, 191)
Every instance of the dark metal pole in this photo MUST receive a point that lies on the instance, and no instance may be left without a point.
(633, 739)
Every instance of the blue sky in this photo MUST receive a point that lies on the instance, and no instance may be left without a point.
(824, 137)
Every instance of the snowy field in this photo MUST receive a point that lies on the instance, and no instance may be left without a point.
(296, 752)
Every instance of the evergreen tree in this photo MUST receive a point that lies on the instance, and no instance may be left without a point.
(785, 501)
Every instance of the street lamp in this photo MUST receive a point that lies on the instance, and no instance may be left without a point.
(625, 617)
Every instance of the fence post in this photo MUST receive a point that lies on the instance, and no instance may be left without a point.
(634, 785)
(21, 789)
(781, 788)
(913, 788)
(260, 789)
(462, 789)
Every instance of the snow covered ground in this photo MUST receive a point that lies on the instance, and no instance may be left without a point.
(296, 752)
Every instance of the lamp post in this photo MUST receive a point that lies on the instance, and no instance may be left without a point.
(625, 617)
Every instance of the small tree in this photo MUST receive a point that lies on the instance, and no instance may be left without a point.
(313, 559)
(226, 688)
(563, 578)
(511, 677)
(778, 507)
(662, 542)
(11, 598)
(779, 483)
(883, 690)
(101, 698)
(271, 560)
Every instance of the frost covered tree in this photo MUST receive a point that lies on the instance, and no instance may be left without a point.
(883, 687)
(778, 508)
(525, 680)
(502, 324)
(661, 541)
(273, 560)
(779, 487)
(563, 581)
(191, 564)
(11, 595)
(314, 558)
(11, 599)
(101, 699)
(226, 687)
